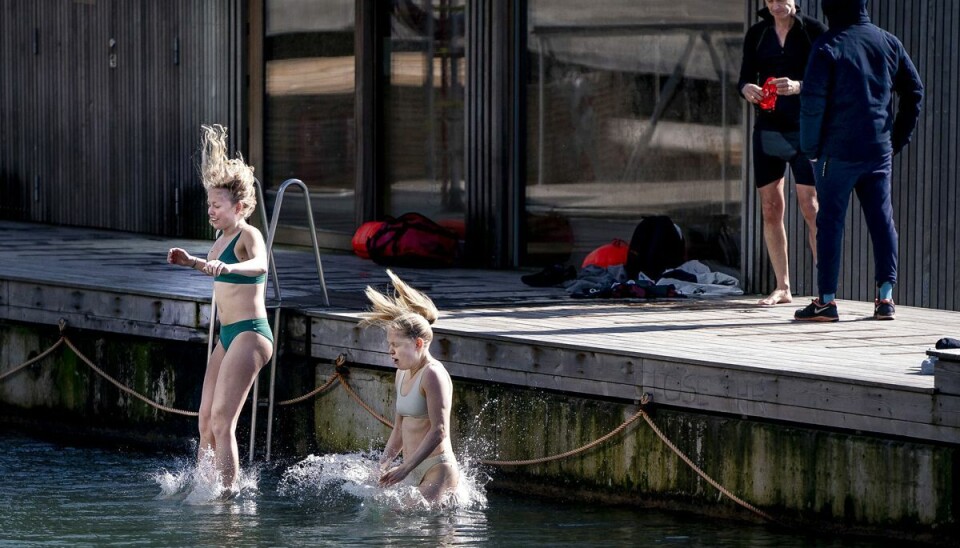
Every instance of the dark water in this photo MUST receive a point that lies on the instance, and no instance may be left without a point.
(52, 495)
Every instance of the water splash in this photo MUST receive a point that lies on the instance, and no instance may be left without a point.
(199, 482)
(336, 478)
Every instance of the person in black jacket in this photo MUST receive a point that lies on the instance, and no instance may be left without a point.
(847, 123)
(776, 49)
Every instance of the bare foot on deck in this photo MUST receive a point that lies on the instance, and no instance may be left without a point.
(779, 296)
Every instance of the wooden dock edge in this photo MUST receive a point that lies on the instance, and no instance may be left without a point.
(786, 396)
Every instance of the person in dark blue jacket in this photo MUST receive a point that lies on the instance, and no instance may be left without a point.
(776, 49)
(847, 124)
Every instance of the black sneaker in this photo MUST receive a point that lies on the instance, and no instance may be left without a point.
(883, 309)
(550, 276)
(816, 311)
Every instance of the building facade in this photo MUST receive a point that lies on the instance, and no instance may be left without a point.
(538, 129)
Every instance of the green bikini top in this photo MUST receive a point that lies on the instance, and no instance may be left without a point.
(230, 257)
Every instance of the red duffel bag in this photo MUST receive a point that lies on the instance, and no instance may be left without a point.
(413, 240)
(363, 234)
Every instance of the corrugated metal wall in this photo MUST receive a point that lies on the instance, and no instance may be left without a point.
(100, 107)
(925, 179)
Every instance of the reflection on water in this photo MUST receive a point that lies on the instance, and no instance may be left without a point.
(64, 496)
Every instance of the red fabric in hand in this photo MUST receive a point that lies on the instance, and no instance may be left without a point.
(769, 91)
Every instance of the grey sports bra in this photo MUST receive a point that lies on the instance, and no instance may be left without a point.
(414, 404)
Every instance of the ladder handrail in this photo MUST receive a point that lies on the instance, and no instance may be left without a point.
(313, 230)
(263, 219)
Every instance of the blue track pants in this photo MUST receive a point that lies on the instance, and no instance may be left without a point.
(836, 180)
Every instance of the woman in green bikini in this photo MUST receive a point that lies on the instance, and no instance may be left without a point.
(421, 427)
(238, 263)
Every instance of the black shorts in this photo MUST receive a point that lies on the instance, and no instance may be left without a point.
(772, 151)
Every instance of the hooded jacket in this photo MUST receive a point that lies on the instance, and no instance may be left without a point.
(846, 103)
(763, 57)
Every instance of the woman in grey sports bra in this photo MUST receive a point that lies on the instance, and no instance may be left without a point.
(237, 261)
(424, 395)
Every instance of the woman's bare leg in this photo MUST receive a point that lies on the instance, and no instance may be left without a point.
(248, 353)
(775, 235)
(207, 441)
(439, 482)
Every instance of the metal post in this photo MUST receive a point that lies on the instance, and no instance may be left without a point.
(272, 267)
(263, 219)
(273, 381)
(253, 415)
(540, 114)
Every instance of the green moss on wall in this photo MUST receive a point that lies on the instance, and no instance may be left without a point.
(64, 386)
(71, 382)
(800, 473)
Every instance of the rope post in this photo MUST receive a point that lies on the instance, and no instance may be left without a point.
(340, 365)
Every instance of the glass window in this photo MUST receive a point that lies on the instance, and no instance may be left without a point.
(309, 108)
(633, 111)
(425, 110)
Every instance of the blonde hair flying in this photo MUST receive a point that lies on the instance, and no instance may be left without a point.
(408, 311)
(218, 170)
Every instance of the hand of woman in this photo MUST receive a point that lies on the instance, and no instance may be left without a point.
(393, 476)
(786, 86)
(383, 466)
(179, 257)
(216, 268)
(752, 93)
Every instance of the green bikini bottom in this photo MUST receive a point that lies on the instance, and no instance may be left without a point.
(230, 331)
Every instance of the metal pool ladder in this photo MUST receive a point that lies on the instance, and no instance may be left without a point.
(271, 233)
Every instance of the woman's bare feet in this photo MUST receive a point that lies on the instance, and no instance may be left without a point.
(779, 296)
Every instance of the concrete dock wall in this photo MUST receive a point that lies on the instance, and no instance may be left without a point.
(836, 480)
(809, 477)
(61, 394)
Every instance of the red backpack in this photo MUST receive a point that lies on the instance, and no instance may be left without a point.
(413, 240)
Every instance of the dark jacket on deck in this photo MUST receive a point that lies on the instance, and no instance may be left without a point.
(846, 109)
(763, 57)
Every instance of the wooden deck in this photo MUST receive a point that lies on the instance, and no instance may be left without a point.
(718, 355)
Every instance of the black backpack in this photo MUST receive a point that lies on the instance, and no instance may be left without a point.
(656, 246)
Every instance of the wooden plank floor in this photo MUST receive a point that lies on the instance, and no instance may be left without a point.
(96, 259)
(724, 355)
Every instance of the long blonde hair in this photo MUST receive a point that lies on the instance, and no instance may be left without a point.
(408, 311)
(220, 171)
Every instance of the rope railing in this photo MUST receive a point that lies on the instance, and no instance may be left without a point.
(32, 361)
(700, 472)
(645, 400)
(318, 390)
(339, 375)
(64, 340)
(125, 389)
(566, 454)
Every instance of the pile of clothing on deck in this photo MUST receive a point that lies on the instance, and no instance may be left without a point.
(650, 266)
(690, 279)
